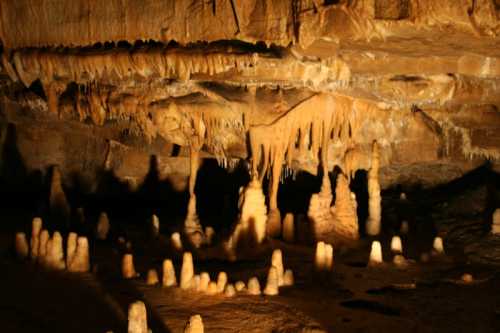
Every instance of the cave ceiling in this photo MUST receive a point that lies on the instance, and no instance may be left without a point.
(253, 79)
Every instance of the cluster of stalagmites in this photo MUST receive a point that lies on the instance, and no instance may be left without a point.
(49, 252)
(277, 277)
(138, 320)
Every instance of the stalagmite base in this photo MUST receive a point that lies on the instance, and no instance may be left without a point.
(168, 278)
(272, 285)
(137, 318)
(152, 277)
(221, 282)
(253, 286)
(128, 269)
(187, 271)
(195, 325)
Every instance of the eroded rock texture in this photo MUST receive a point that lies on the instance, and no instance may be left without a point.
(289, 85)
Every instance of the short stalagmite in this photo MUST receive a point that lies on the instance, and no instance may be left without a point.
(437, 246)
(187, 271)
(221, 282)
(320, 259)
(55, 252)
(253, 286)
(396, 244)
(400, 261)
(195, 282)
(288, 228)
(176, 242)
(42, 251)
(328, 257)
(21, 245)
(137, 318)
(128, 269)
(36, 228)
(229, 291)
(152, 277)
(495, 225)
(102, 226)
(155, 225)
(277, 262)
(374, 207)
(80, 262)
(212, 288)
(375, 254)
(239, 286)
(168, 278)
(70, 247)
(194, 325)
(272, 285)
(288, 279)
(204, 281)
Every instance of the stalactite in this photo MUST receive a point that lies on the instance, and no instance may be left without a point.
(374, 208)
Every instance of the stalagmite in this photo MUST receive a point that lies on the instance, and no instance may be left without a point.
(320, 259)
(375, 254)
(58, 203)
(288, 279)
(137, 318)
(55, 252)
(21, 245)
(80, 262)
(345, 210)
(319, 211)
(374, 210)
(168, 278)
(70, 247)
(152, 277)
(195, 282)
(36, 228)
(253, 286)
(176, 242)
(239, 286)
(103, 226)
(155, 225)
(396, 245)
(272, 285)
(187, 271)
(467, 278)
(402, 196)
(204, 281)
(192, 227)
(400, 261)
(209, 235)
(495, 226)
(128, 269)
(221, 282)
(252, 219)
(277, 262)
(42, 251)
(288, 228)
(328, 257)
(229, 291)
(212, 288)
(437, 246)
(195, 325)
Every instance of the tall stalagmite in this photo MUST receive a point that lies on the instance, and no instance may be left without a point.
(374, 208)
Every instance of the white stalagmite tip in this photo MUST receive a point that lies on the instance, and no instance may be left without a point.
(396, 244)
(168, 278)
(221, 282)
(128, 269)
(152, 277)
(194, 325)
(437, 245)
(187, 271)
(137, 318)
(375, 254)
(253, 286)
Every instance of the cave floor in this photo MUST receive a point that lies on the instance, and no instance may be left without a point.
(424, 297)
